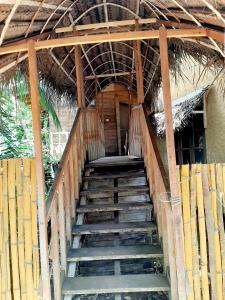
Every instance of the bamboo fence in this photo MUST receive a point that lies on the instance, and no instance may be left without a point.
(203, 201)
(19, 252)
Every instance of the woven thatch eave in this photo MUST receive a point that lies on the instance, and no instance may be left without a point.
(32, 17)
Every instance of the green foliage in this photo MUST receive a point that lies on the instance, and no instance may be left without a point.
(16, 135)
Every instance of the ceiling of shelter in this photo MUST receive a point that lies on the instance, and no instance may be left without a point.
(21, 19)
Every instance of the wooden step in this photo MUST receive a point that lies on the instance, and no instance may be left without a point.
(130, 163)
(113, 228)
(119, 189)
(114, 207)
(115, 284)
(115, 175)
(112, 253)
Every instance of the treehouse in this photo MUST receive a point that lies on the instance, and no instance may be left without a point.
(136, 209)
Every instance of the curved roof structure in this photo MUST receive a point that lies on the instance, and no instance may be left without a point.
(44, 19)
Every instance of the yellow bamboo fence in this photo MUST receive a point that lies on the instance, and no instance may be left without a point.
(19, 252)
(203, 201)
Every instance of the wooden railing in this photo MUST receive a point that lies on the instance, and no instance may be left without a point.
(159, 189)
(84, 141)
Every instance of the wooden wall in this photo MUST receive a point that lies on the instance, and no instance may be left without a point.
(94, 136)
(108, 105)
(19, 250)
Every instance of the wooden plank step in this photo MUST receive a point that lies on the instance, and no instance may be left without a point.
(114, 207)
(112, 253)
(136, 163)
(115, 284)
(116, 175)
(139, 188)
(113, 228)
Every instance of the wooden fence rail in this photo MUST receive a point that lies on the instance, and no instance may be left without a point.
(19, 250)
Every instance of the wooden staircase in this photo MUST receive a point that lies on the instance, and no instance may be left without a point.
(115, 248)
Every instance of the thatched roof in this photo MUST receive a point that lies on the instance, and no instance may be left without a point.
(23, 19)
(182, 109)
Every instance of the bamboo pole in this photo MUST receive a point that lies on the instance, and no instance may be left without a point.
(13, 230)
(174, 187)
(3, 284)
(185, 194)
(195, 246)
(28, 229)
(7, 270)
(220, 198)
(202, 236)
(34, 220)
(33, 79)
(21, 245)
(212, 187)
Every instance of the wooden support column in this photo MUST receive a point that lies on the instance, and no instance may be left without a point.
(80, 99)
(79, 77)
(34, 93)
(174, 185)
(139, 69)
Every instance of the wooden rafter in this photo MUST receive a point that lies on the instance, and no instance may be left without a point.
(107, 75)
(32, 4)
(198, 24)
(106, 24)
(8, 20)
(51, 15)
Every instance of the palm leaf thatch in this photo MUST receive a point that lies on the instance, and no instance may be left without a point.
(57, 66)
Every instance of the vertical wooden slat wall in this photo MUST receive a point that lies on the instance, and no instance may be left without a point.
(19, 252)
(135, 143)
(94, 135)
(202, 190)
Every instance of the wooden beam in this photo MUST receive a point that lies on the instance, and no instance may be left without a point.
(38, 153)
(104, 25)
(103, 38)
(107, 75)
(174, 185)
(33, 4)
(216, 35)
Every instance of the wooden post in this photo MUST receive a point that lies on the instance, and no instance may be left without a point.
(118, 124)
(79, 78)
(170, 145)
(34, 93)
(139, 69)
(81, 99)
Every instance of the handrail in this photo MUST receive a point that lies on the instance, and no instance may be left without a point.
(155, 147)
(85, 140)
(59, 171)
